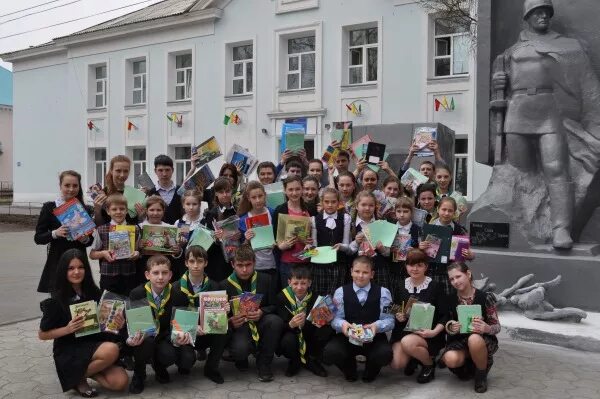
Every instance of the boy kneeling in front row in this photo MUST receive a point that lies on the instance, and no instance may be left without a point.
(360, 302)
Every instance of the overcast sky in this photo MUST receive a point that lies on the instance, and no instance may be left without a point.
(78, 9)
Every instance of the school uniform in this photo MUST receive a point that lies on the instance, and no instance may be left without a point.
(360, 305)
(174, 208)
(329, 230)
(105, 217)
(437, 270)
(218, 267)
(185, 294)
(177, 261)
(300, 345)
(427, 292)
(260, 337)
(266, 261)
(56, 246)
(381, 262)
(287, 258)
(398, 269)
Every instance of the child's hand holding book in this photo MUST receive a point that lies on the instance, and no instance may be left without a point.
(135, 340)
(75, 324)
(254, 315)
(237, 321)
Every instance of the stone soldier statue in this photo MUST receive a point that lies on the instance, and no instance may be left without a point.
(528, 73)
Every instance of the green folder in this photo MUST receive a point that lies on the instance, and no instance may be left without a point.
(294, 141)
(465, 316)
(186, 321)
(324, 255)
(140, 319)
(201, 237)
(275, 195)
(133, 196)
(382, 230)
(421, 317)
(263, 237)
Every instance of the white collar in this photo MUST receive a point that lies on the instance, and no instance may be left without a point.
(405, 227)
(113, 223)
(330, 215)
(155, 295)
(359, 221)
(159, 187)
(356, 288)
(411, 288)
(187, 220)
(439, 223)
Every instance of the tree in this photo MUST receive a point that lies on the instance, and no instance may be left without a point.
(458, 13)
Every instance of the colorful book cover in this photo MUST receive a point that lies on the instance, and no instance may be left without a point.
(238, 154)
(202, 178)
(109, 307)
(290, 128)
(246, 302)
(328, 157)
(402, 244)
(342, 133)
(358, 335)
(239, 159)
(289, 226)
(140, 319)
(207, 151)
(457, 245)
(444, 236)
(73, 216)
(94, 190)
(413, 178)
(89, 311)
(422, 136)
(257, 221)
(129, 229)
(201, 237)
(275, 195)
(133, 196)
(434, 245)
(356, 146)
(213, 316)
(466, 313)
(159, 238)
(144, 181)
(421, 317)
(322, 310)
(184, 322)
(295, 142)
(119, 244)
(230, 226)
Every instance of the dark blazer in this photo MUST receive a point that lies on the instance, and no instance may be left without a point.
(165, 320)
(264, 286)
(174, 210)
(180, 299)
(47, 222)
(286, 316)
(218, 268)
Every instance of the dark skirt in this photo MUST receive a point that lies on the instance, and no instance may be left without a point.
(460, 343)
(72, 361)
(382, 271)
(439, 274)
(327, 278)
(434, 345)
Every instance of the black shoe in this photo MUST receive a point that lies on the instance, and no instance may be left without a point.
(161, 375)
(264, 373)
(464, 373)
(242, 365)
(480, 381)
(183, 371)
(136, 385)
(201, 355)
(293, 368)
(316, 368)
(214, 376)
(427, 374)
(411, 367)
(350, 372)
(370, 375)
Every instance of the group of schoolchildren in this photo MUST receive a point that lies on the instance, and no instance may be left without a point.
(364, 284)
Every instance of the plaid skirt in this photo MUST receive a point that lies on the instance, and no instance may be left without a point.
(327, 278)
(460, 343)
(439, 274)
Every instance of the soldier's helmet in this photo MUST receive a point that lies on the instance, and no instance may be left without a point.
(531, 5)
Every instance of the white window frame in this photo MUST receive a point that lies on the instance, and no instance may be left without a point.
(102, 163)
(299, 57)
(138, 163)
(143, 90)
(185, 163)
(244, 62)
(104, 82)
(364, 50)
(187, 86)
(450, 56)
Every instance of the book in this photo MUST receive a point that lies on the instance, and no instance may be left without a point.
(324, 255)
(144, 181)
(201, 179)
(421, 317)
(230, 226)
(375, 153)
(244, 303)
(422, 136)
(462, 205)
(342, 133)
(434, 245)
(322, 310)
(201, 237)
(129, 229)
(184, 322)
(402, 244)
(444, 236)
(275, 194)
(289, 226)
(109, 307)
(239, 160)
(73, 216)
(133, 196)
(419, 216)
(94, 190)
(159, 239)
(213, 316)
(140, 319)
(207, 151)
(119, 244)
(357, 146)
(263, 237)
(89, 311)
(258, 220)
(413, 178)
(290, 128)
(457, 244)
(358, 335)
(380, 231)
(238, 154)
(465, 317)
(295, 142)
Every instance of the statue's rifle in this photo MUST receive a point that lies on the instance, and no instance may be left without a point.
(498, 109)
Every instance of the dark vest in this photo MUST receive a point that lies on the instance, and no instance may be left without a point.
(120, 267)
(328, 237)
(369, 312)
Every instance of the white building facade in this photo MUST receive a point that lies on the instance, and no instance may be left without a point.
(163, 78)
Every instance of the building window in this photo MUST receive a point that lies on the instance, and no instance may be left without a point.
(242, 57)
(362, 55)
(183, 163)
(100, 165)
(101, 86)
(451, 49)
(301, 63)
(183, 76)
(139, 82)
(460, 165)
(139, 164)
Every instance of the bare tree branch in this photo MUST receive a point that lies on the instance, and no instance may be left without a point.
(460, 14)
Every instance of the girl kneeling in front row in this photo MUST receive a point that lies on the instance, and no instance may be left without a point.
(470, 354)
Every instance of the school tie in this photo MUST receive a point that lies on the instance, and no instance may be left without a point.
(330, 220)
(361, 297)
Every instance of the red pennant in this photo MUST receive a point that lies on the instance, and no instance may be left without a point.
(349, 107)
(437, 104)
(90, 125)
(130, 126)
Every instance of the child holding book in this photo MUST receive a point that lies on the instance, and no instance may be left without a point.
(310, 194)
(166, 188)
(186, 293)
(470, 354)
(404, 210)
(421, 346)
(426, 168)
(256, 330)
(116, 275)
(50, 232)
(361, 302)
(191, 201)
(78, 358)
(392, 191)
(302, 341)
(253, 209)
(426, 200)
(347, 187)
(331, 227)
(294, 206)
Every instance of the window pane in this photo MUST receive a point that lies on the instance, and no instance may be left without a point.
(180, 76)
(242, 53)
(183, 61)
(442, 67)
(101, 72)
(460, 183)
(137, 82)
(356, 56)
(139, 67)
(238, 86)
(442, 46)
(293, 64)
(371, 64)
(446, 27)
(99, 100)
(357, 37)
(99, 86)
(179, 173)
(144, 95)
(188, 81)
(100, 154)
(249, 67)
(139, 154)
(301, 45)
(238, 70)
(137, 96)
(460, 54)
(355, 75)
(99, 177)
(292, 81)
(372, 36)
(461, 146)
(308, 70)
(179, 93)
(183, 152)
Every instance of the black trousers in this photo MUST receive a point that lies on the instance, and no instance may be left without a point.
(315, 338)
(241, 344)
(342, 353)
(121, 285)
(160, 353)
(187, 354)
